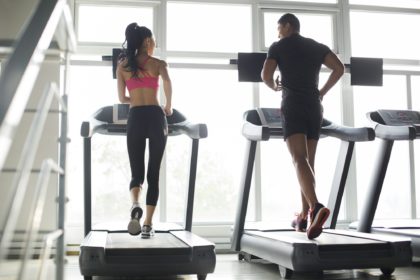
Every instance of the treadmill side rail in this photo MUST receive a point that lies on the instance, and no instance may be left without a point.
(95, 239)
(192, 239)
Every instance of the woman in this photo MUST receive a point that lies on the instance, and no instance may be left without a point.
(139, 72)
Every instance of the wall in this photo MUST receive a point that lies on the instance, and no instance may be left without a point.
(14, 14)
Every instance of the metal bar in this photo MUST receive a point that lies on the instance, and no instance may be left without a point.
(257, 164)
(411, 160)
(20, 181)
(71, 35)
(36, 210)
(63, 140)
(87, 159)
(339, 182)
(22, 67)
(191, 185)
(374, 189)
(47, 251)
(243, 196)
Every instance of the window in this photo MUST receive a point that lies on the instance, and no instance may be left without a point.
(107, 23)
(209, 27)
(216, 98)
(316, 26)
(378, 35)
(366, 99)
(110, 177)
(199, 39)
(314, 1)
(413, 4)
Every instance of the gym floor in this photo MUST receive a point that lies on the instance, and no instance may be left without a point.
(229, 268)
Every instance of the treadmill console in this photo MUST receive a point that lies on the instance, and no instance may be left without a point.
(120, 113)
(112, 120)
(399, 117)
(270, 117)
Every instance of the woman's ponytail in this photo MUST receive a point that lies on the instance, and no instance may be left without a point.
(134, 37)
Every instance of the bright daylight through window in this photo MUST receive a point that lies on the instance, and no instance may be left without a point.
(199, 39)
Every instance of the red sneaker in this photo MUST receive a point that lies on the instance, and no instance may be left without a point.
(300, 223)
(318, 216)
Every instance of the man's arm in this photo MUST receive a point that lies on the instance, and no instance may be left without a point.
(267, 73)
(332, 62)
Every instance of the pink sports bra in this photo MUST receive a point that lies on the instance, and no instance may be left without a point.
(146, 81)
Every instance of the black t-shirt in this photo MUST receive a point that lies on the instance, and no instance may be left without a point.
(299, 60)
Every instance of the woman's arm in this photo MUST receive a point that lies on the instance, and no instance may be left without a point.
(332, 62)
(167, 87)
(121, 85)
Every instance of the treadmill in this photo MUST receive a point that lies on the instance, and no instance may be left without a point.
(293, 251)
(173, 250)
(390, 126)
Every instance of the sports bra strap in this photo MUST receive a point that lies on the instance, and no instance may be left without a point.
(144, 72)
(145, 61)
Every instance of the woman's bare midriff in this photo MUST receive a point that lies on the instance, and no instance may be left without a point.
(143, 97)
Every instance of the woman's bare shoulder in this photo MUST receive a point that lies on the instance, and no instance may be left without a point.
(162, 63)
(157, 61)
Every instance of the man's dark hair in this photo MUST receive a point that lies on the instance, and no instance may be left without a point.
(292, 20)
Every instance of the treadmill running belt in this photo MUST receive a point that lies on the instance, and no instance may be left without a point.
(125, 248)
(159, 240)
(323, 240)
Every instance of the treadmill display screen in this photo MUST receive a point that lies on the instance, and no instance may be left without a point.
(250, 66)
(115, 54)
(120, 113)
(399, 117)
(366, 71)
(270, 116)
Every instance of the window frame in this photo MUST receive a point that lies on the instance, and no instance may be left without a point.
(99, 48)
(325, 9)
(387, 10)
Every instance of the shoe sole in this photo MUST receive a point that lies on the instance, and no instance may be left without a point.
(134, 227)
(298, 226)
(315, 228)
(299, 229)
(146, 235)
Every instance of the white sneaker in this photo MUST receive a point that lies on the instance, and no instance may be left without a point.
(134, 227)
(147, 231)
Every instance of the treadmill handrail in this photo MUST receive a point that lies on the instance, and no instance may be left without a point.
(388, 132)
(89, 128)
(347, 133)
(254, 130)
(391, 132)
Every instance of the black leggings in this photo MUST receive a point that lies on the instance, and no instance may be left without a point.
(146, 122)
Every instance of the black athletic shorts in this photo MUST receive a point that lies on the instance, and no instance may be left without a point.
(301, 113)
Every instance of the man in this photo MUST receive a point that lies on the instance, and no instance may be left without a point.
(299, 60)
